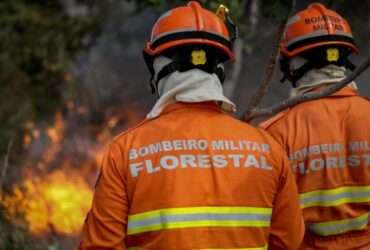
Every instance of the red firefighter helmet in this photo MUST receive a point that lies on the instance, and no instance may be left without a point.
(190, 25)
(314, 27)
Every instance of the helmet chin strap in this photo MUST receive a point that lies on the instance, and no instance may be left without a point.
(159, 63)
(175, 66)
(183, 60)
(314, 60)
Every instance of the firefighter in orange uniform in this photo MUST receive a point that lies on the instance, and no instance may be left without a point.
(327, 140)
(191, 176)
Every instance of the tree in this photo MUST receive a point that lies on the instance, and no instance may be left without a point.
(38, 41)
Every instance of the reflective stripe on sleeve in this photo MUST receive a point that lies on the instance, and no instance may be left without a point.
(336, 196)
(340, 226)
(195, 217)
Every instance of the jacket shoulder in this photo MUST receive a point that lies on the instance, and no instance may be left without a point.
(269, 122)
(129, 131)
(366, 98)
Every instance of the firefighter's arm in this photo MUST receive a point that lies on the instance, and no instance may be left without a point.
(287, 227)
(105, 225)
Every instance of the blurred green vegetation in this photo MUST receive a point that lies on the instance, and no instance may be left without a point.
(38, 41)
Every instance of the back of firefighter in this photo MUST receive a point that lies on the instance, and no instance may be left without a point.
(327, 140)
(191, 176)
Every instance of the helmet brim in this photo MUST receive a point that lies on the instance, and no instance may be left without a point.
(193, 41)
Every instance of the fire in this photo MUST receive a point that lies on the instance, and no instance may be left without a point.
(55, 132)
(56, 203)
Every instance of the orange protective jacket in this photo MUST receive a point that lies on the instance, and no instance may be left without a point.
(328, 144)
(194, 178)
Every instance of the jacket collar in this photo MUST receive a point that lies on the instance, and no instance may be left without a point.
(209, 105)
(346, 91)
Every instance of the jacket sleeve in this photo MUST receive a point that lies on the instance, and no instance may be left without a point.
(105, 225)
(287, 226)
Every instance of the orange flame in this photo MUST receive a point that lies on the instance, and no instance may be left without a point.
(56, 203)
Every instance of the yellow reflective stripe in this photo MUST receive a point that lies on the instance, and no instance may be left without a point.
(336, 202)
(336, 196)
(340, 226)
(197, 210)
(193, 224)
(335, 191)
(191, 217)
